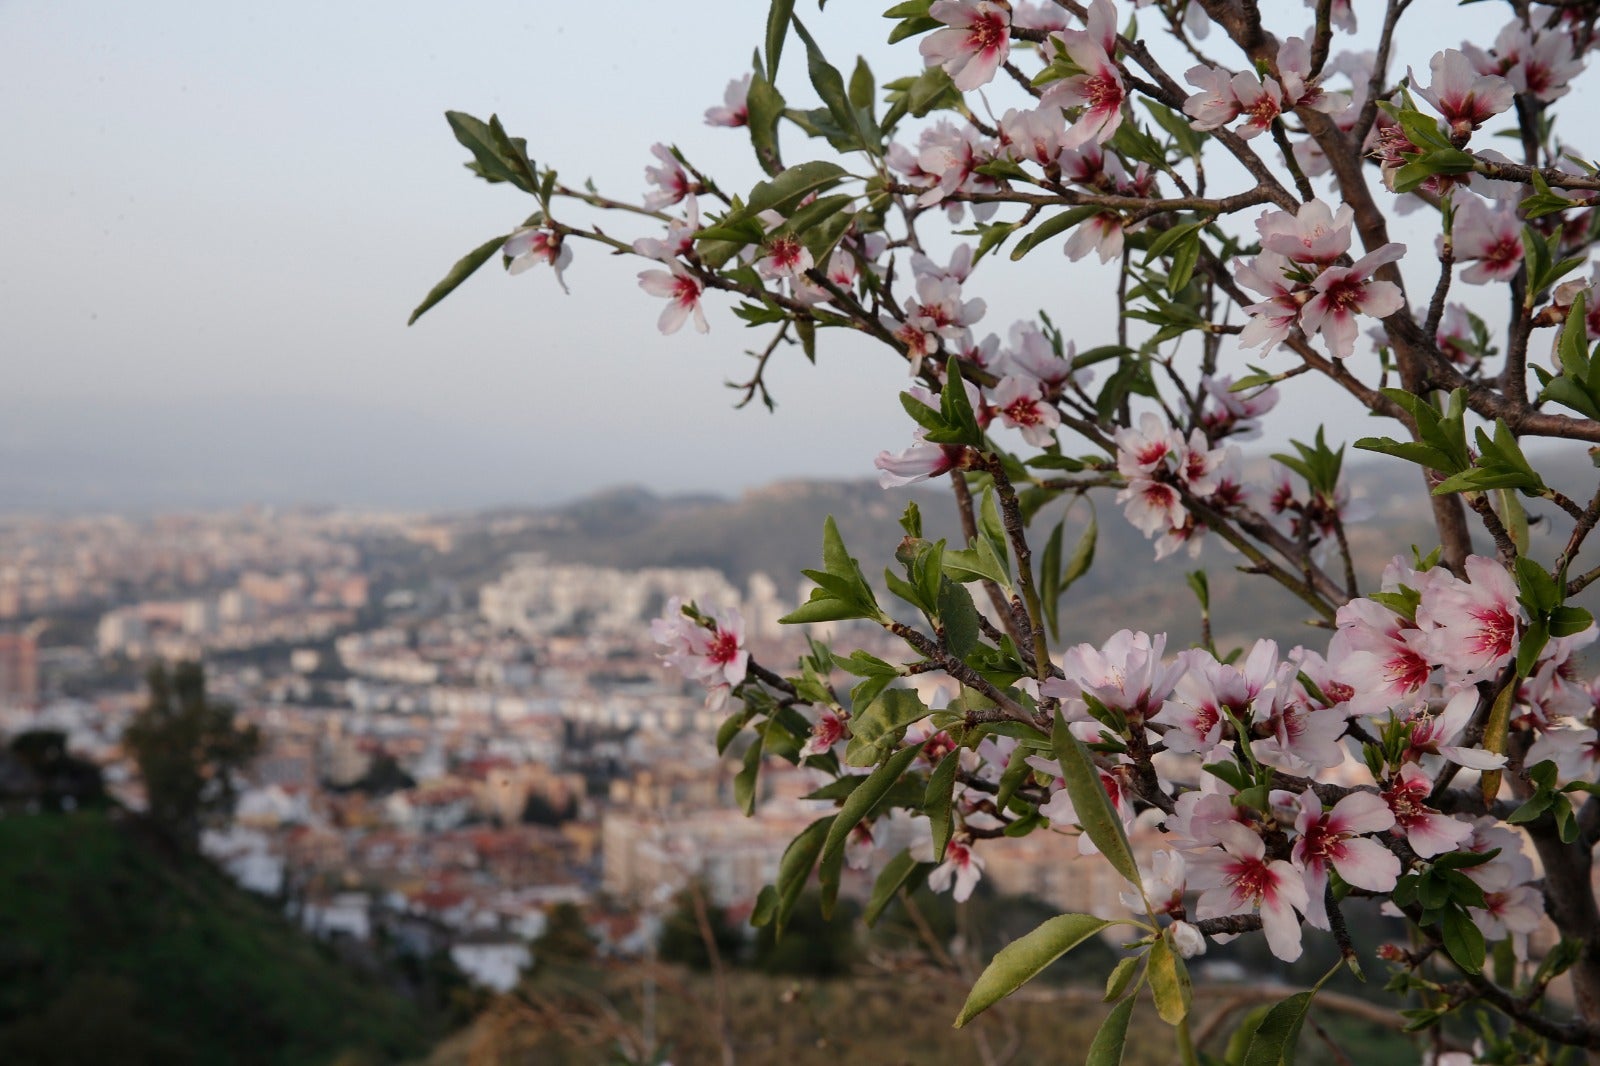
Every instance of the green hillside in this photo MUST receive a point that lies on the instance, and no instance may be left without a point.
(115, 949)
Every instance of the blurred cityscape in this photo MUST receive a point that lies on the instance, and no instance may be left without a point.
(443, 759)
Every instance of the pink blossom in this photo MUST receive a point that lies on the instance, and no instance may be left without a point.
(1384, 656)
(1099, 90)
(1517, 912)
(975, 41)
(1314, 234)
(786, 258)
(962, 866)
(1344, 292)
(1033, 136)
(682, 291)
(735, 111)
(714, 655)
(534, 244)
(1100, 233)
(1335, 839)
(1143, 451)
(1126, 673)
(1540, 64)
(1303, 738)
(1260, 103)
(1206, 689)
(1031, 354)
(1491, 236)
(1435, 734)
(829, 729)
(1464, 97)
(1473, 626)
(672, 182)
(1427, 831)
(1059, 811)
(1270, 319)
(949, 157)
(1238, 879)
(1299, 88)
(1574, 749)
(917, 463)
(1215, 105)
(1162, 883)
(1235, 413)
(1020, 403)
(939, 308)
(957, 270)
(678, 241)
(1152, 506)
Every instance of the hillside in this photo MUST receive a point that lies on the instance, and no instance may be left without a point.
(114, 949)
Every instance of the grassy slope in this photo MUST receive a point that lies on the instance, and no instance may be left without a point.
(113, 949)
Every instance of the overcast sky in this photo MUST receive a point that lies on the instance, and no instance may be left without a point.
(220, 215)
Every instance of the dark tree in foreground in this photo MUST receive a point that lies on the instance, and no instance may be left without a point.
(188, 750)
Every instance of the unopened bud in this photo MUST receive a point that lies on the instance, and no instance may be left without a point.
(1187, 941)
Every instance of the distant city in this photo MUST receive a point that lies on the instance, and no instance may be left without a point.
(444, 758)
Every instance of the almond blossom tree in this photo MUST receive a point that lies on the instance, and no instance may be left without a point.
(1238, 171)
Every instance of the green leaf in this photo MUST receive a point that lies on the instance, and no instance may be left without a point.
(1089, 800)
(744, 782)
(765, 105)
(1050, 580)
(794, 870)
(936, 802)
(863, 91)
(1463, 939)
(1169, 982)
(778, 17)
(464, 269)
(959, 618)
(896, 873)
(864, 798)
(877, 728)
(784, 192)
(489, 160)
(1106, 1049)
(1050, 227)
(1272, 1043)
(1083, 554)
(1021, 960)
(1121, 977)
(829, 83)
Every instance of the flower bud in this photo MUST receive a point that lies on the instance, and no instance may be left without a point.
(1187, 940)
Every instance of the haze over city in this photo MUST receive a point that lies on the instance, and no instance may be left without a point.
(223, 215)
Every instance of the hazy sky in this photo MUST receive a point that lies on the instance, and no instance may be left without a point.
(220, 215)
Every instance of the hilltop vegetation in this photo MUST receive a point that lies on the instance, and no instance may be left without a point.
(117, 949)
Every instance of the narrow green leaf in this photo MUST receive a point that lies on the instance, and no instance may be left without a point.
(1169, 982)
(1272, 1043)
(877, 728)
(778, 17)
(1090, 801)
(936, 802)
(794, 869)
(959, 618)
(464, 269)
(1463, 939)
(477, 137)
(1106, 1050)
(784, 192)
(864, 798)
(1121, 977)
(1021, 960)
(896, 873)
(1050, 227)
(744, 782)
